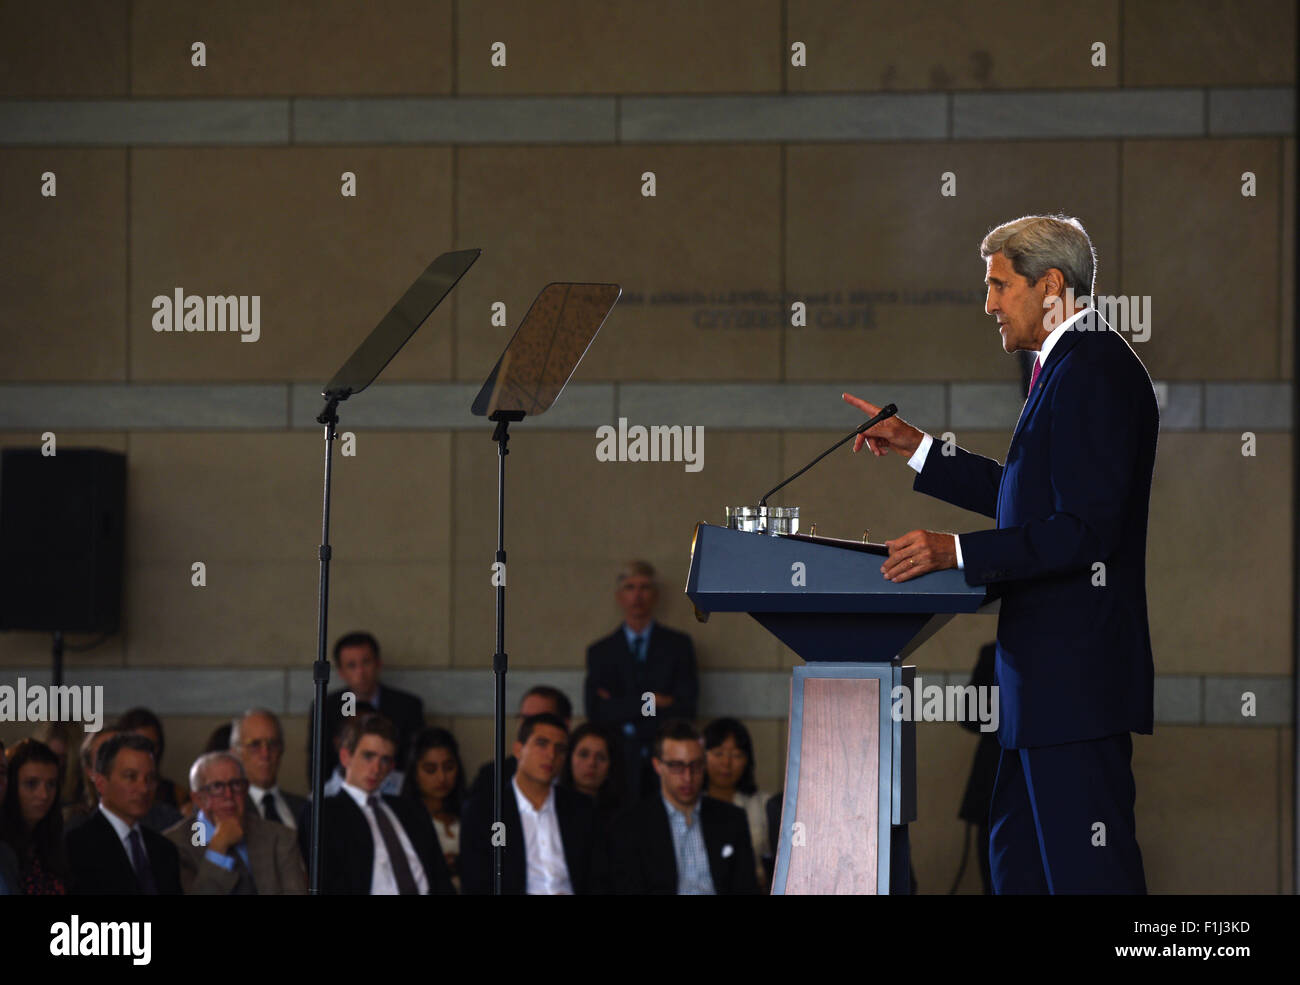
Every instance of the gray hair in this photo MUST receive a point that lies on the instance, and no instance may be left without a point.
(1036, 243)
(236, 724)
(200, 767)
(635, 568)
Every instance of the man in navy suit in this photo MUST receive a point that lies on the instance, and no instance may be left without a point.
(1067, 558)
(640, 657)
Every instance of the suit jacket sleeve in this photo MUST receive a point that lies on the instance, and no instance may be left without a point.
(601, 672)
(686, 682)
(1095, 429)
(476, 847)
(625, 874)
(746, 878)
(963, 479)
(288, 865)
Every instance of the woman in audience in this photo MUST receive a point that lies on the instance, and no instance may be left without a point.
(729, 776)
(31, 822)
(58, 736)
(594, 767)
(436, 780)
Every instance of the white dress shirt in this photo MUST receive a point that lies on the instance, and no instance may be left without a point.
(548, 872)
(257, 794)
(917, 461)
(382, 880)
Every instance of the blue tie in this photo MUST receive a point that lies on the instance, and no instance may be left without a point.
(638, 647)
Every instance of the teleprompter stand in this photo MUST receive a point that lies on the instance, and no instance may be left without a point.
(527, 379)
(366, 363)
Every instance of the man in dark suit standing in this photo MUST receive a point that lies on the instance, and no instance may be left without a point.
(238, 853)
(678, 842)
(110, 853)
(551, 831)
(1068, 559)
(373, 844)
(356, 655)
(640, 658)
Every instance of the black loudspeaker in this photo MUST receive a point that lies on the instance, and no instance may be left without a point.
(62, 520)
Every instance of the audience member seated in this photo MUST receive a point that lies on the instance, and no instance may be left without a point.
(86, 798)
(551, 832)
(373, 843)
(640, 657)
(10, 882)
(436, 781)
(238, 853)
(165, 809)
(729, 777)
(59, 736)
(542, 699)
(31, 823)
(258, 740)
(219, 740)
(680, 842)
(112, 853)
(334, 782)
(356, 655)
(594, 767)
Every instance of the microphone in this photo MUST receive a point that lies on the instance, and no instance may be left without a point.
(886, 412)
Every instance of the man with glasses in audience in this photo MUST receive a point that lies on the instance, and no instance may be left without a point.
(258, 740)
(679, 842)
(226, 849)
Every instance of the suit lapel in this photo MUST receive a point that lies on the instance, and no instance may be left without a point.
(662, 836)
(259, 841)
(120, 859)
(1067, 341)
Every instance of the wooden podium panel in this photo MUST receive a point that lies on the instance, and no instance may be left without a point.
(834, 849)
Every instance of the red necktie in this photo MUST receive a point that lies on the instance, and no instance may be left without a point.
(1034, 377)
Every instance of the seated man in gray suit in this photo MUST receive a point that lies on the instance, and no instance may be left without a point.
(257, 739)
(227, 849)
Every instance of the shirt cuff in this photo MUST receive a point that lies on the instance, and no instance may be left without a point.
(957, 543)
(917, 461)
(216, 858)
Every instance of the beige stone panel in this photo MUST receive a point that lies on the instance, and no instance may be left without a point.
(63, 282)
(64, 49)
(847, 494)
(293, 767)
(474, 735)
(870, 219)
(272, 223)
(1209, 43)
(571, 521)
(594, 46)
(944, 753)
(30, 649)
(948, 45)
(239, 496)
(543, 214)
(292, 48)
(1286, 368)
(1219, 586)
(1207, 809)
(263, 613)
(1186, 226)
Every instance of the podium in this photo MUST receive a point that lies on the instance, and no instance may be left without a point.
(850, 776)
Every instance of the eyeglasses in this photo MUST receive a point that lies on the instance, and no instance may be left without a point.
(676, 767)
(264, 745)
(226, 786)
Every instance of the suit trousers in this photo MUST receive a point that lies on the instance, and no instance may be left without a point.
(1061, 819)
